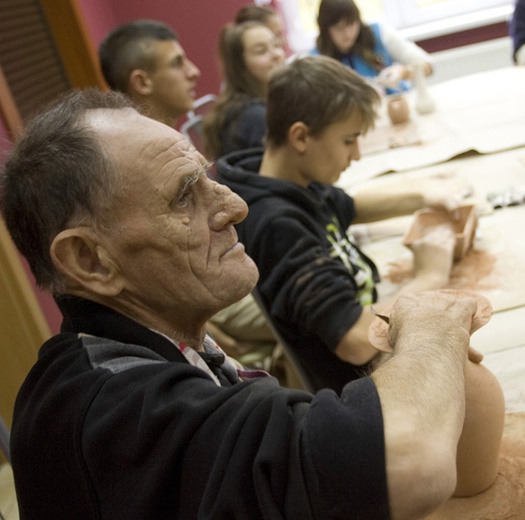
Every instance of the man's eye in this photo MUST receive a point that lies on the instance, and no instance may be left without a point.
(183, 199)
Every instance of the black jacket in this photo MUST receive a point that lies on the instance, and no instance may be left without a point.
(113, 423)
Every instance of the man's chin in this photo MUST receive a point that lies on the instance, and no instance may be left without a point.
(243, 285)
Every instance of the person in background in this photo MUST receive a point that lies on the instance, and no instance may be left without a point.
(144, 60)
(133, 412)
(315, 283)
(375, 51)
(517, 32)
(249, 52)
(265, 15)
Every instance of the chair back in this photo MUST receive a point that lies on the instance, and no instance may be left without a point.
(192, 127)
(288, 350)
(8, 502)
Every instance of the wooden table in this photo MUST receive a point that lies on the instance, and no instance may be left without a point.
(483, 145)
(476, 134)
(482, 112)
(495, 266)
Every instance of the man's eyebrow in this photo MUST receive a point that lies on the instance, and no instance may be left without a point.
(195, 176)
(190, 179)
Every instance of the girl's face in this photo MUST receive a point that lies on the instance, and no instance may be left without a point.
(344, 34)
(262, 52)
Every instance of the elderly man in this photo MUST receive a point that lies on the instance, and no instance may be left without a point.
(145, 60)
(133, 412)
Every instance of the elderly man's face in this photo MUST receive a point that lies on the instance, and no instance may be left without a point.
(172, 228)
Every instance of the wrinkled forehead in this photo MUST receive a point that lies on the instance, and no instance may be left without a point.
(133, 139)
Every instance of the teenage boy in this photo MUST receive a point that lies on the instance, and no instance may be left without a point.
(144, 60)
(315, 283)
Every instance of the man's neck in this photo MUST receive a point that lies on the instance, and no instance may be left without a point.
(178, 329)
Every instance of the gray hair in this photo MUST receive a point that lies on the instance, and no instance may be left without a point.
(56, 177)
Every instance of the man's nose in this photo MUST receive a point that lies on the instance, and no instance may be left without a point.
(192, 71)
(228, 207)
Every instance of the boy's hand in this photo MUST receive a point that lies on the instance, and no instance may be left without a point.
(434, 253)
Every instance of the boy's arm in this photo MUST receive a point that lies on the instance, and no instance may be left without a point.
(433, 256)
(381, 199)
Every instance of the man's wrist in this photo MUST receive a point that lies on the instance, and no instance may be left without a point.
(412, 335)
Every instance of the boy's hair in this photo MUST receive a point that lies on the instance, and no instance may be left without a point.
(319, 91)
(128, 47)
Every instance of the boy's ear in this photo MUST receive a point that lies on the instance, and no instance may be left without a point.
(298, 135)
(85, 263)
(140, 82)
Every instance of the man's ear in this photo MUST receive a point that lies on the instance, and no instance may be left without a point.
(140, 82)
(85, 263)
(298, 135)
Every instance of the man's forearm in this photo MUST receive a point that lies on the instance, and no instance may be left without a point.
(422, 391)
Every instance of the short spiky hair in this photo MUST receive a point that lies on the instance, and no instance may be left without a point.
(127, 48)
(318, 91)
(56, 176)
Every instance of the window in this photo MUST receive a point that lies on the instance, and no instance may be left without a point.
(406, 13)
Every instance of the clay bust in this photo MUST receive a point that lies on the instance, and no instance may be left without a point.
(480, 441)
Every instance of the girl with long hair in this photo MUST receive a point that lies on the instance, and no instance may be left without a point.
(374, 50)
(249, 52)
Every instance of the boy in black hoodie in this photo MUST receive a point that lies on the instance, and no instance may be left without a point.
(315, 283)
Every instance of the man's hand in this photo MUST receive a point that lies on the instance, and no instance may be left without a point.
(440, 310)
(378, 333)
